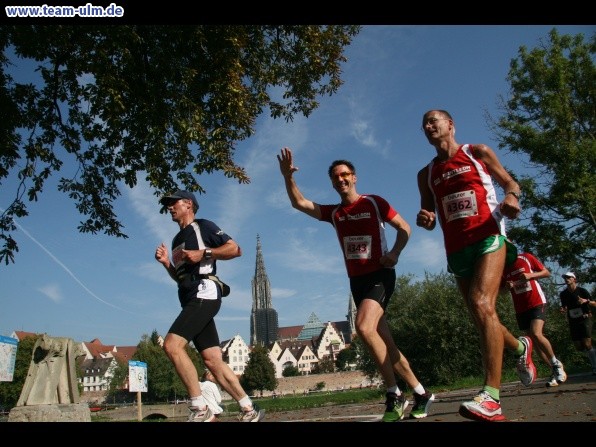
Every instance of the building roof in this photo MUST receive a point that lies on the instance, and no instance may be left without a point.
(344, 328)
(312, 328)
(95, 367)
(288, 332)
(97, 349)
(125, 353)
(20, 335)
(294, 345)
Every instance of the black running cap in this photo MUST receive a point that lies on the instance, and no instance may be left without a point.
(180, 194)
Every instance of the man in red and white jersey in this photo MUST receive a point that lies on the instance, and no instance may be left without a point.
(359, 221)
(521, 280)
(456, 189)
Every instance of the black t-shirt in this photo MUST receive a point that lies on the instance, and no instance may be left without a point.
(570, 300)
(200, 234)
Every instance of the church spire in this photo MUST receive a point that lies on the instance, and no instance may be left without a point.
(263, 321)
(260, 282)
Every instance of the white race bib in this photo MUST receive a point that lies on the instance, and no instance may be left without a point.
(460, 204)
(357, 247)
(522, 286)
(177, 255)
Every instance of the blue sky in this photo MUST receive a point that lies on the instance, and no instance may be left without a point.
(86, 286)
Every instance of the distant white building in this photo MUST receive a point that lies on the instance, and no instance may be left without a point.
(296, 353)
(284, 360)
(235, 353)
(330, 342)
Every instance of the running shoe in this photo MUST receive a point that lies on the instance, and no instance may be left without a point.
(482, 408)
(559, 372)
(254, 415)
(552, 382)
(422, 403)
(526, 370)
(396, 407)
(198, 415)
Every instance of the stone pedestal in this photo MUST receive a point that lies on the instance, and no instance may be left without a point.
(51, 413)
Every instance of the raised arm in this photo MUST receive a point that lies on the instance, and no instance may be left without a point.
(298, 201)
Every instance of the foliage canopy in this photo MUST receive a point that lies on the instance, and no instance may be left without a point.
(550, 116)
(259, 374)
(112, 104)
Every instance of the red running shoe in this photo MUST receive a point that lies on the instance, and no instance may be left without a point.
(526, 370)
(482, 408)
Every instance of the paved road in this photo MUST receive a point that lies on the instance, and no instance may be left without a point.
(573, 401)
(549, 412)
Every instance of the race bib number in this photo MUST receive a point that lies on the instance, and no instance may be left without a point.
(357, 247)
(576, 313)
(520, 287)
(177, 255)
(460, 204)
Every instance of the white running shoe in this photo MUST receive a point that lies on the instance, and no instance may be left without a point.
(254, 415)
(552, 382)
(198, 415)
(559, 372)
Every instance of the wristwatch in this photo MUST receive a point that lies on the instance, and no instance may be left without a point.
(208, 254)
(514, 194)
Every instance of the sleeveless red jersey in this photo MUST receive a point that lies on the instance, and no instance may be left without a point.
(465, 200)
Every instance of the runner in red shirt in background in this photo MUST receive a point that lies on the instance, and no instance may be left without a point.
(529, 302)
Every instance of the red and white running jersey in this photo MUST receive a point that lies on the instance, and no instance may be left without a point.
(526, 294)
(465, 200)
(360, 228)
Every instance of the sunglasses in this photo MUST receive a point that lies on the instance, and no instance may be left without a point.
(342, 175)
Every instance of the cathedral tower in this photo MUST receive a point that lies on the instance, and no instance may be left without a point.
(263, 318)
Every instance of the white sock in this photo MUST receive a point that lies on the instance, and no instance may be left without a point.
(245, 402)
(198, 401)
(554, 361)
(394, 389)
(419, 389)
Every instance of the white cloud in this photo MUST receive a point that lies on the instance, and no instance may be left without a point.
(282, 293)
(52, 291)
(147, 207)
